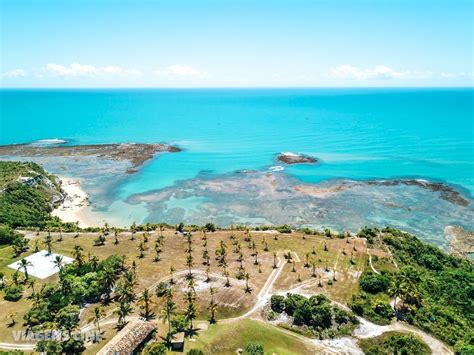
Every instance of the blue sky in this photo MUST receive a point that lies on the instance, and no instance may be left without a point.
(203, 43)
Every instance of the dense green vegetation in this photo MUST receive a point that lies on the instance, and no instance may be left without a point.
(57, 305)
(8, 236)
(315, 315)
(432, 290)
(26, 203)
(394, 343)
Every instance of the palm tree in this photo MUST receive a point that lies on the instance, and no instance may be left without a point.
(212, 306)
(157, 252)
(36, 244)
(108, 282)
(306, 261)
(124, 309)
(213, 309)
(313, 264)
(212, 292)
(133, 228)
(58, 262)
(116, 241)
(98, 313)
(145, 300)
(241, 259)
(190, 311)
(31, 284)
(207, 274)
(189, 263)
(172, 270)
(226, 275)
(94, 261)
(256, 258)
(24, 265)
(162, 228)
(406, 286)
(76, 230)
(15, 277)
(141, 249)
(168, 312)
(78, 255)
(247, 287)
(48, 242)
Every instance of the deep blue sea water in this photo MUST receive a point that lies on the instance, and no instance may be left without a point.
(356, 133)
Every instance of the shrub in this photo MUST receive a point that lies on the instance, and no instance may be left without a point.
(156, 349)
(394, 343)
(254, 348)
(374, 283)
(13, 293)
(284, 228)
(195, 352)
(277, 303)
(209, 227)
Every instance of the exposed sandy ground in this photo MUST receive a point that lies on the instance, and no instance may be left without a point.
(75, 205)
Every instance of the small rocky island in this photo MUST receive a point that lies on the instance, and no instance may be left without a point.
(292, 158)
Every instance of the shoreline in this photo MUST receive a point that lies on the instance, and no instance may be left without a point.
(75, 207)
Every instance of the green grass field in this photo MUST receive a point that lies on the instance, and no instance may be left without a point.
(227, 338)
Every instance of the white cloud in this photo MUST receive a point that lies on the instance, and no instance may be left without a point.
(78, 70)
(182, 71)
(75, 69)
(377, 72)
(15, 73)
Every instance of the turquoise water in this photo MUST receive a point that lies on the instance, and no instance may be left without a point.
(357, 133)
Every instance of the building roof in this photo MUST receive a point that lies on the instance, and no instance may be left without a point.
(178, 338)
(128, 339)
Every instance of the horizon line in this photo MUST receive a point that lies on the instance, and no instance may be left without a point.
(229, 87)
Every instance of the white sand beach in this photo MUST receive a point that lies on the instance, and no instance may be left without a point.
(75, 207)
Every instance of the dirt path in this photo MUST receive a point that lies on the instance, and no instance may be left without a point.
(264, 295)
(370, 262)
(370, 330)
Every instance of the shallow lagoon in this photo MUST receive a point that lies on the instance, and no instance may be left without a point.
(357, 135)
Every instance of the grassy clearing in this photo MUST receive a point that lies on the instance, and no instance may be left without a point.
(231, 301)
(227, 338)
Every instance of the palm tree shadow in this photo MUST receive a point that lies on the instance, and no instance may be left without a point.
(192, 332)
(120, 326)
(151, 316)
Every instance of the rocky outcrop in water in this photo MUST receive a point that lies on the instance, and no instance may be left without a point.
(292, 158)
(134, 153)
(461, 242)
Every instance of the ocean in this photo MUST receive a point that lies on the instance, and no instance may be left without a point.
(356, 134)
